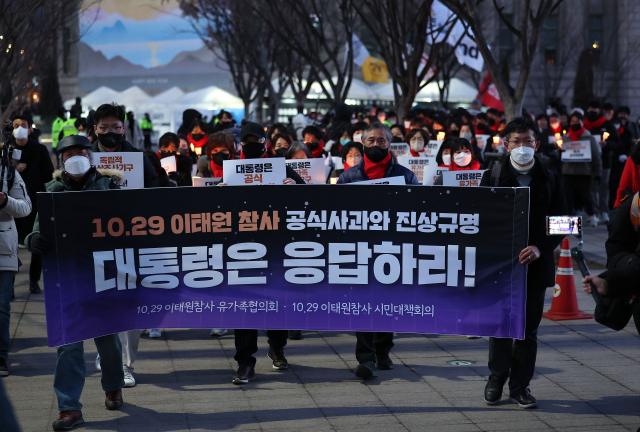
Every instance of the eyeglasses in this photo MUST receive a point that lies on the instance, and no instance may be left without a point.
(112, 128)
(516, 143)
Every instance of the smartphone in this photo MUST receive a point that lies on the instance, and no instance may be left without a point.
(564, 225)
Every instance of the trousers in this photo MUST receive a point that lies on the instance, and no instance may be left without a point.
(372, 344)
(6, 288)
(600, 192)
(578, 185)
(247, 344)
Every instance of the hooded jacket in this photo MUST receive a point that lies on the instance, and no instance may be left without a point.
(16, 205)
(150, 176)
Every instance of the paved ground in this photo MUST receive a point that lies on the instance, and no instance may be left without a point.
(587, 379)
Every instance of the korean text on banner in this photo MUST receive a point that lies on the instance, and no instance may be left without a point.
(399, 149)
(130, 163)
(254, 171)
(432, 148)
(312, 171)
(417, 164)
(431, 173)
(470, 178)
(169, 164)
(576, 151)
(398, 180)
(398, 258)
(206, 181)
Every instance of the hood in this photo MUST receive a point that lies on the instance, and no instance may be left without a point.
(189, 115)
(115, 175)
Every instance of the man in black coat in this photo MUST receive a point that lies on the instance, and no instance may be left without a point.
(36, 169)
(517, 360)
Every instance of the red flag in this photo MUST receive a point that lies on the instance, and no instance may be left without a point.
(490, 95)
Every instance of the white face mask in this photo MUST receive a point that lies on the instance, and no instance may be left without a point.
(21, 133)
(466, 135)
(77, 165)
(522, 155)
(417, 145)
(84, 134)
(357, 138)
(549, 111)
(407, 124)
(446, 159)
(462, 159)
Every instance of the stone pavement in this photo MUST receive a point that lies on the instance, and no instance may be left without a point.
(587, 379)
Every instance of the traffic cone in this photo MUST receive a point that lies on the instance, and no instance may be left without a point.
(565, 304)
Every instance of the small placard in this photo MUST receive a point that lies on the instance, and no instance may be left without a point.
(398, 180)
(470, 178)
(576, 151)
(254, 171)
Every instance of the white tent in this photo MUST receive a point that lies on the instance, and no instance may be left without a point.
(459, 91)
(93, 100)
(132, 97)
(210, 98)
(166, 97)
(358, 90)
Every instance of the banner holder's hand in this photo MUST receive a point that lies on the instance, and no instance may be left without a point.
(529, 255)
(288, 181)
(590, 283)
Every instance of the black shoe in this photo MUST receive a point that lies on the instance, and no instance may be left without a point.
(493, 390)
(244, 375)
(278, 358)
(34, 288)
(384, 363)
(295, 334)
(4, 370)
(365, 371)
(68, 419)
(524, 399)
(113, 400)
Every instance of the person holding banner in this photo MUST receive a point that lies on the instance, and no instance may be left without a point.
(580, 173)
(220, 147)
(313, 139)
(168, 145)
(281, 143)
(462, 157)
(517, 360)
(372, 349)
(78, 174)
(417, 139)
(443, 158)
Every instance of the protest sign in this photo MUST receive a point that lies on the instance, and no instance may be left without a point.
(130, 163)
(312, 171)
(169, 164)
(254, 171)
(432, 148)
(417, 164)
(398, 180)
(481, 140)
(576, 151)
(469, 178)
(431, 173)
(397, 259)
(337, 162)
(206, 181)
(399, 149)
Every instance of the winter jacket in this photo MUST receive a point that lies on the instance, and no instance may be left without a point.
(593, 168)
(204, 167)
(39, 168)
(98, 180)
(150, 176)
(356, 173)
(630, 180)
(17, 205)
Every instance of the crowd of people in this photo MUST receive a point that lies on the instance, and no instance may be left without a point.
(526, 151)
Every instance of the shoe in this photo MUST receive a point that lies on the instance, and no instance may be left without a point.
(34, 288)
(129, 380)
(279, 360)
(113, 400)
(21, 246)
(218, 332)
(98, 363)
(524, 399)
(4, 369)
(365, 371)
(295, 334)
(592, 221)
(384, 363)
(493, 390)
(604, 218)
(68, 419)
(244, 375)
(155, 333)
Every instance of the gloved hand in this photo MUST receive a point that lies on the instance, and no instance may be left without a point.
(623, 158)
(39, 244)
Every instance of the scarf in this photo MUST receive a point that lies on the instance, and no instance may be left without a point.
(216, 170)
(266, 155)
(522, 170)
(374, 170)
(474, 165)
(346, 165)
(414, 154)
(620, 130)
(483, 131)
(596, 124)
(575, 135)
(198, 144)
(558, 129)
(318, 152)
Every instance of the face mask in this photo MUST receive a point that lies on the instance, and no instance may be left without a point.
(282, 152)
(313, 145)
(592, 116)
(375, 154)
(576, 127)
(254, 150)
(225, 125)
(219, 158)
(397, 139)
(344, 141)
(462, 159)
(549, 111)
(480, 126)
(491, 122)
(84, 134)
(357, 138)
(197, 137)
(77, 165)
(417, 145)
(352, 161)
(624, 120)
(110, 139)
(407, 124)
(166, 153)
(522, 155)
(21, 133)
(466, 135)
(446, 159)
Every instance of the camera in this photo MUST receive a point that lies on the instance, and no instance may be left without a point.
(564, 225)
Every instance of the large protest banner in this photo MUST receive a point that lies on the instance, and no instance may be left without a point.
(405, 258)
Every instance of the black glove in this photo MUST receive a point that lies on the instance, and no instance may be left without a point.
(39, 244)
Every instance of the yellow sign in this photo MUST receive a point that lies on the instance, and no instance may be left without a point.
(374, 69)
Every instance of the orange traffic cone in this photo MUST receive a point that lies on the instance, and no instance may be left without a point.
(565, 304)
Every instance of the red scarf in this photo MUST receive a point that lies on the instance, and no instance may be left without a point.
(195, 143)
(575, 135)
(318, 152)
(346, 165)
(414, 154)
(620, 130)
(474, 165)
(596, 124)
(558, 129)
(483, 131)
(374, 170)
(266, 155)
(216, 170)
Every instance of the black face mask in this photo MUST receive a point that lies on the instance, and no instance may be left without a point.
(254, 150)
(281, 152)
(480, 126)
(197, 137)
(375, 154)
(576, 127)
(110, 139)
(396, 139)
(592, 116)
(167, 153)
(491, 121)
(226, 125)
(219, 157)
(313, 145)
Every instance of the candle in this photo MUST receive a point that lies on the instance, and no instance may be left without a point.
(496, 140)
(440, 136)
(192, 147)
(558, 136)
(605, 136)
(198, 150)
(559, 142)
(333, 180)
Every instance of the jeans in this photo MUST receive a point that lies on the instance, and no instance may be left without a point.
(372, 344)
(247, 344)
(519, 356)
(6, 289)
(71, 370)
